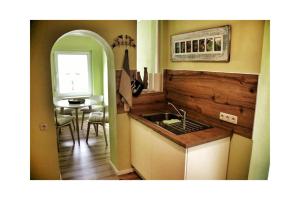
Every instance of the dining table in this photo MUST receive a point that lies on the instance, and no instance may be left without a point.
(64, 103)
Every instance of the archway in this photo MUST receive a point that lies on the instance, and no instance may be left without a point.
(110, 66)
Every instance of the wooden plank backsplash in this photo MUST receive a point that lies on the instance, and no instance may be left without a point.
(205, 94)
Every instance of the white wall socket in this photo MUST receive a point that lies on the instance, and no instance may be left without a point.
(228, 118)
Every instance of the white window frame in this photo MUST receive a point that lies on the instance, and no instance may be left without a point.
(64, 95)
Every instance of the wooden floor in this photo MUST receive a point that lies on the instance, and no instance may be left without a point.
(130, 176)
(87, 161)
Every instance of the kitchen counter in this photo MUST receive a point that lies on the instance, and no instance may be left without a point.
(185, 140)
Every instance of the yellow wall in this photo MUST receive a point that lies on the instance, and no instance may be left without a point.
(123, 134)
(43, 152)
(43, 34)
(163, 37)
(246, 45)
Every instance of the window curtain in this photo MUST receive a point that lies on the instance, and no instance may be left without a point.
(147, 46)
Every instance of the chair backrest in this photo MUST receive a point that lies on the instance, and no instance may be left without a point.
(98, 98)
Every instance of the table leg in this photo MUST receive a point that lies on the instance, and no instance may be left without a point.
(77, 126)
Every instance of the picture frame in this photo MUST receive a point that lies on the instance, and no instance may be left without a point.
(208, 45)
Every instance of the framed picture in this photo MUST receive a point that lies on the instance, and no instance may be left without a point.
(205, 45)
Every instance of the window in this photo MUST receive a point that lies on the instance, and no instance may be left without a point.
(147, 48)
(73, 74)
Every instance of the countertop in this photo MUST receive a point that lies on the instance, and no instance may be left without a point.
(186, 140)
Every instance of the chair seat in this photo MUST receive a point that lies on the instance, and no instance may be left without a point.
(95, 108)
(66, 111)
(64, 119)
(97, 117)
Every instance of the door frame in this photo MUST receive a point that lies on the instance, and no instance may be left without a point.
(111, 79)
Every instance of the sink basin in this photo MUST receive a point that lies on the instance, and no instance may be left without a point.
(158, 117)
(177, 127)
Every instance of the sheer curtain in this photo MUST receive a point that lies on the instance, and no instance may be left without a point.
(147, 46)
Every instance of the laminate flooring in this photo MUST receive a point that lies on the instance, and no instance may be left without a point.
(87, 161)
(130, 176)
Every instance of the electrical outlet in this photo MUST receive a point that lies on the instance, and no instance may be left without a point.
(228, 118)
(43, 126)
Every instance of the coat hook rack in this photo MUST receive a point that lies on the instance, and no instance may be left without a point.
(125, 40)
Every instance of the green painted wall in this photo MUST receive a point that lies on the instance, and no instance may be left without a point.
(81, 43)
(260, 159)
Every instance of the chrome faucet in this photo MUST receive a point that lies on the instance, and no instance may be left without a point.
(183, 115)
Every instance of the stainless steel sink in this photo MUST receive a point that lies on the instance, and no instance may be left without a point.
(176, 128)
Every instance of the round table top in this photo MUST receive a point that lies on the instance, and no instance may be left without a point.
(65, 104)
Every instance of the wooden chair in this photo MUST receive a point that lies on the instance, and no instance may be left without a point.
(62, 121)
(98, 118)
(94, 108)
(64, 111)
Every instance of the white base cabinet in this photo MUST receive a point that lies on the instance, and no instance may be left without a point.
(158, 158)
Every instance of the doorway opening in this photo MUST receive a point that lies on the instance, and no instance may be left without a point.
(82, 65)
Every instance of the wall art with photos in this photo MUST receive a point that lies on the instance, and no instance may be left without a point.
(205, 45)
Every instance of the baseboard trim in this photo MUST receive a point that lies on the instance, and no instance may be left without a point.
(120, 172)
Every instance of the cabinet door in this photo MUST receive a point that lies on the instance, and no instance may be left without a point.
(141, 148)
(208, 161)
(167, 159)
